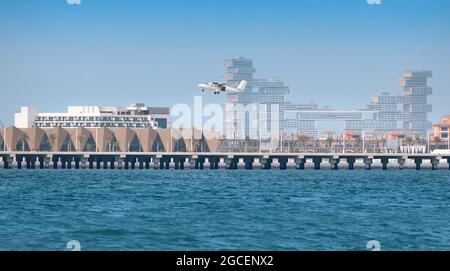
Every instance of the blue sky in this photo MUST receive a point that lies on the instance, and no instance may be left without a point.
(114, 52)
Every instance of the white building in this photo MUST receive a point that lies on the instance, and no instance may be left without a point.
(26, 117)
(134, 116)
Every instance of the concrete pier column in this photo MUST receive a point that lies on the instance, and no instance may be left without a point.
(300, 163)
(167, 162)
(64, 162)
(47, 161)
(418, 162)
(179, 162)
(105, 164)
(214, 163)
(283, 162)
(120, 161)
(248, 161)
(132, 162)
(351, 163)
(77, 162)
(6, 162)
(192, 162)
(317, 161)
(13, 161)
(266, 163)
(91, 164)
(98, 163)
(141, 163)
(182, 161)
(69, 162)
(385, 162)
(156, 163)
(368, 163)
(448, 162)
(33, 163)
(83, 161)
(401, 163)
(201, 162)
(435, 163)
(41, 162)
(147, 163)
(334, 163)
(231, 163)
(228, 163)
(19, 161)
(55, 162)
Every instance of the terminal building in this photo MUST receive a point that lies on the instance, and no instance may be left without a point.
(134, 116)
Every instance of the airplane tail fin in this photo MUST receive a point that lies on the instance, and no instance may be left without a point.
(242, 86)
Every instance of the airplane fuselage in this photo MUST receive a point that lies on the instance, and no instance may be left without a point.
(218, 88)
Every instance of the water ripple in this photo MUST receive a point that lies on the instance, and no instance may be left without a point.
(224, 210)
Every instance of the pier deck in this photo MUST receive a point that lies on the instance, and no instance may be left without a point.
(186, 160)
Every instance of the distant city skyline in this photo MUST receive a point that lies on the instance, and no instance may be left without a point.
(118, 52)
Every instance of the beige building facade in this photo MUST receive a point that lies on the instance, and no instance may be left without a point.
(107, 140)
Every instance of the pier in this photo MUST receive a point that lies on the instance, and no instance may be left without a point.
(229, 161)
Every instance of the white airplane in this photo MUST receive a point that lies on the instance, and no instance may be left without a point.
(222, 87)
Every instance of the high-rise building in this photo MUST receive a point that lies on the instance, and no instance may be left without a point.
(407, 111)
(270, 95)
(269, 98)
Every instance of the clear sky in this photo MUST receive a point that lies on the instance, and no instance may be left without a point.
(338, 53)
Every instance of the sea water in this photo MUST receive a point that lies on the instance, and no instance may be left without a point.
(224, 210)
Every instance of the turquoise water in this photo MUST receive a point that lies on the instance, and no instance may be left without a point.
(224, 210)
